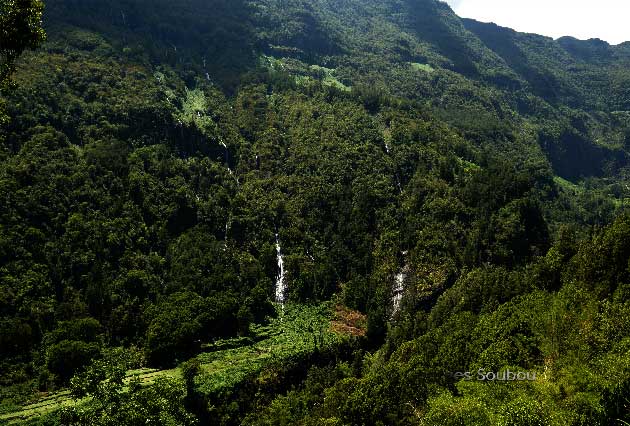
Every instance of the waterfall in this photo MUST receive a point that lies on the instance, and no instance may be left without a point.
(398, 290)
(227, 228)
(226, 154)
(388, 151)
(226, 158)
(399, 286)
(280, 284)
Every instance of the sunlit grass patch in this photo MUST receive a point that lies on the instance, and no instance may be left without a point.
(297, 330)
(421, 67)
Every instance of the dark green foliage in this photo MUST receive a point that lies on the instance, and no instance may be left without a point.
(158, 151)
(493, 319)
(71, 346)
(20, 23)
(603, 264)
(108, 400)
(65, 358)
(177, 325)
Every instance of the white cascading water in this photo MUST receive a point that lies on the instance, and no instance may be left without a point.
(398, 290)
(280, 284)
(227, 228)
(399, 287)
(227, 161)
(226, 156)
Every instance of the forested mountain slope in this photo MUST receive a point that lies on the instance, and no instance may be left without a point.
(456, 189)
(569, 96)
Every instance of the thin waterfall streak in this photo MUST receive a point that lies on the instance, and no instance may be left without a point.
(398, 288)
(280, 284)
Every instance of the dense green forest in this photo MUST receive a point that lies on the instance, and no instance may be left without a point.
(324, 212)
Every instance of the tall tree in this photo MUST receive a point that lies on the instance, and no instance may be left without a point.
(20, 29)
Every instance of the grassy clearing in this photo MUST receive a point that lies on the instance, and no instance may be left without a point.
(325, 75)
(297, 330)
(52, 402)
(303, 73)
(42, 406)
(568, 187)
(421, 67)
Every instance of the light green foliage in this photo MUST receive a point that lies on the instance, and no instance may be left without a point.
(303, 72)
(421, 67)
(445, 410)
(328, 77)
(195, 111)
(296, 332)
(108, 399)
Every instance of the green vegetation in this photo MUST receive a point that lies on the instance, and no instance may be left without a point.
(297, 331)
(446, 196)
(421, 67)
(296, 334)
(20, 29)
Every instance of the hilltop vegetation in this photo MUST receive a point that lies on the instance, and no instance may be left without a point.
(156, 152)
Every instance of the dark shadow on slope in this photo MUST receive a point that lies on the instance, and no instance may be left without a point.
(574, 157)
(593, 51)
(431, 21)
(504, 43)
(295, 29)
(196, 36)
